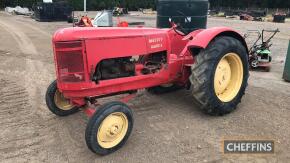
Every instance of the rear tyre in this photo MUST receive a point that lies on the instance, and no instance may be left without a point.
(109, 128)
(166, 88)
(57, 103)
(220, 76)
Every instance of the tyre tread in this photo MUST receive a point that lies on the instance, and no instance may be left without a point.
(202, 72)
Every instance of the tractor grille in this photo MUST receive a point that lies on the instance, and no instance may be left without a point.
(70, 61)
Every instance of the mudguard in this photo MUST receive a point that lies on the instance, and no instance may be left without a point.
(200, 39)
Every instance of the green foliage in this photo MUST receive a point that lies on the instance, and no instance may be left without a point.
(13, 3)
(136, 4)
(251, 3)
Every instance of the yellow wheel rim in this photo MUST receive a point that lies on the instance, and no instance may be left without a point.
(228, 77)
(61, 102)
(112, 130)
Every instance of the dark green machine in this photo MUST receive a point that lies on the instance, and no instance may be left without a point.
(189, 14)
(286, 75)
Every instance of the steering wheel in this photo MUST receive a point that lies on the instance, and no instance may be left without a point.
(181, 31)
(175, 28)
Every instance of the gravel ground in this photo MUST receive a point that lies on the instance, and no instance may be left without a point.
(168, 128)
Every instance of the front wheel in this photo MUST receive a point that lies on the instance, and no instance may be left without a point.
(220, 76)
(109, 128)
(57, 103)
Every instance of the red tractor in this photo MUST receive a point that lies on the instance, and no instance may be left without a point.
(93, 63)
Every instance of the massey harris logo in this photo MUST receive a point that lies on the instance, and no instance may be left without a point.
(156, 42)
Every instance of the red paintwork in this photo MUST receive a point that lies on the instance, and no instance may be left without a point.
(201, 38)
(123, 24)
(103, 43)
(90, 112)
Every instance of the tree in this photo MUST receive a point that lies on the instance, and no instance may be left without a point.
(136, 4)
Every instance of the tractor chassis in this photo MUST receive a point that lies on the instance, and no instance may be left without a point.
(92, 103)
(213, 62)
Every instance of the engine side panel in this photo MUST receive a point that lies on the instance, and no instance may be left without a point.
(156, 43)
(101, 49)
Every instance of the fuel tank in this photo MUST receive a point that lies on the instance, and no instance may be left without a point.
(190, 14)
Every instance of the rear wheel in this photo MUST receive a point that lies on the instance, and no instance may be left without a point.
(220, 76)
(57, 103)
(109, 128)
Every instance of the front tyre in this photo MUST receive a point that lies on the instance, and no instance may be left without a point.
(57, 103)
(109, 128)
(220, 76)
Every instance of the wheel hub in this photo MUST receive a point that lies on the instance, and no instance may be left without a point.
(224, 77)
(228, 77)
(112, 130)
(61, 102)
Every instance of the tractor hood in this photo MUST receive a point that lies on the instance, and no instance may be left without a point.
(83, 33)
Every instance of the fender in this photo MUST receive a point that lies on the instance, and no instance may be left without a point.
(200, 39)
